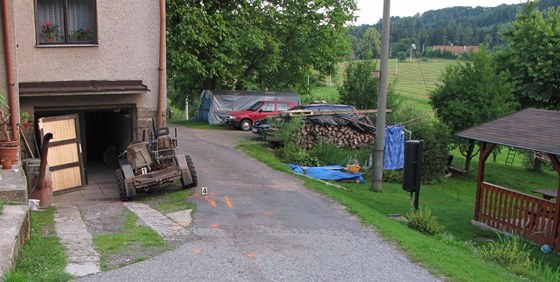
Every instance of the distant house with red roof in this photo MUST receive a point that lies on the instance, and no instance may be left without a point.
(456, 49)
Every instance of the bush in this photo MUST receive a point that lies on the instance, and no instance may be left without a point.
(533, 163)
(328, 154)
(436, 138)
(290, 152)
(509, 252)
(359, 85)
(424, 222)
(393, 176)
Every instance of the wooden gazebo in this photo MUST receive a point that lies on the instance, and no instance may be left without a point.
(535, 219)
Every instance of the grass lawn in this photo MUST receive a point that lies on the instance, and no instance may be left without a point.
(166, 201)
(132, 236)
(42, 258)
(452, 202)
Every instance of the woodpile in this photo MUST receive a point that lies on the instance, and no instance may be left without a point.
(341, 135)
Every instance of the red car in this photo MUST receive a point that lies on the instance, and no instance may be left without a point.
(261, 109)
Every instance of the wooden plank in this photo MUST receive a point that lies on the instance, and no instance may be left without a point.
(320, 113)
(65, 156)
(66, 178)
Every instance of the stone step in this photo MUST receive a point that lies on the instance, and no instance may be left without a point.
(14, 231)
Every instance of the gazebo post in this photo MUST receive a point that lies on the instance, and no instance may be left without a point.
(485, 150)
(556, 165)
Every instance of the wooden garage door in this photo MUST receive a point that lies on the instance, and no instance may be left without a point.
(65, 152)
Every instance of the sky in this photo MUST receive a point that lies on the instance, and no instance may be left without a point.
(372, 10)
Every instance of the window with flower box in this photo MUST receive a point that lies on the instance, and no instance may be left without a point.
(65, 22)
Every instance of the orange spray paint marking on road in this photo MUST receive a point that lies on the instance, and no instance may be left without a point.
(212, 203)
(251, 255)
(228, 202)
(196, 251)
(214, 225)
(267, 213)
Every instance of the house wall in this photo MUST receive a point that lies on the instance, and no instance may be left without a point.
(128, 49)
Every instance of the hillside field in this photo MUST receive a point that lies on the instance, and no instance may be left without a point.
(412, 79)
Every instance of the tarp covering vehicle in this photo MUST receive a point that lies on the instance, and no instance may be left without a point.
(215, 105)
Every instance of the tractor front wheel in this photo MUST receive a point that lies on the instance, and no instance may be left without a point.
(122, 186)
(192, 170)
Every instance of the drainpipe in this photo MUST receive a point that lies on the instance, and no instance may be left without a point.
(9, 71)
(161, 78)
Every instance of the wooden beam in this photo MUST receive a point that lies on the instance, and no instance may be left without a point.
(320, 113)
(556, 165)
(485, 150)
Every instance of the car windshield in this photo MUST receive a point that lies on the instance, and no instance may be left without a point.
(255, 106)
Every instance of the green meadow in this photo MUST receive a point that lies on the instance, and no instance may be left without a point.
(413, 80)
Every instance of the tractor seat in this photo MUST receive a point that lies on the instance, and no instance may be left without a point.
(138, 156)
(164, 148)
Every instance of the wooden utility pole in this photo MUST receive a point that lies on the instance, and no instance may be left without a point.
(376, 183)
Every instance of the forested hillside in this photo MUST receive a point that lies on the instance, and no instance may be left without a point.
(449, 26)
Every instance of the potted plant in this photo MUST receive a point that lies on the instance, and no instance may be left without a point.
(83, 34)
(51, 31)
(353, 165)
(8, 148)
(6, 163)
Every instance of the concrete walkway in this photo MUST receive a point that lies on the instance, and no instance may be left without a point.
(168, 229)
(83, 259)
(72, 231)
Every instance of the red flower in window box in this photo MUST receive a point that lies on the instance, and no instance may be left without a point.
(50, 30)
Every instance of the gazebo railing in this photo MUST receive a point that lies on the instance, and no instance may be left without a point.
(518, 213)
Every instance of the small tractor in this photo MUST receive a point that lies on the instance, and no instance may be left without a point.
(148, 165)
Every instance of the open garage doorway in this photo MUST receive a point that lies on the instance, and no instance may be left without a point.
(104, 134)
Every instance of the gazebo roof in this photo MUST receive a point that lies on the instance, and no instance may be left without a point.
(530, 129)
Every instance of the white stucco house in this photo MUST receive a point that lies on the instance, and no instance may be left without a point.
(92, 72)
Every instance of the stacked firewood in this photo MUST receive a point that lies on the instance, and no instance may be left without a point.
(341, 135)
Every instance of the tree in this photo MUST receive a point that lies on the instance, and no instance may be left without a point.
(401, 55)
(371, 41)
(253, 44)
(471, 93)
(359, 87)
(532, 56)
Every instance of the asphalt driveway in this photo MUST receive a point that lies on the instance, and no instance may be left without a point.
(256, 224)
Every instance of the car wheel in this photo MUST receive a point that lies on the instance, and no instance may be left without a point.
(245, 125)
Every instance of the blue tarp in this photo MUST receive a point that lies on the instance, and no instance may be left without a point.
(393, 157)
(331, 172)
